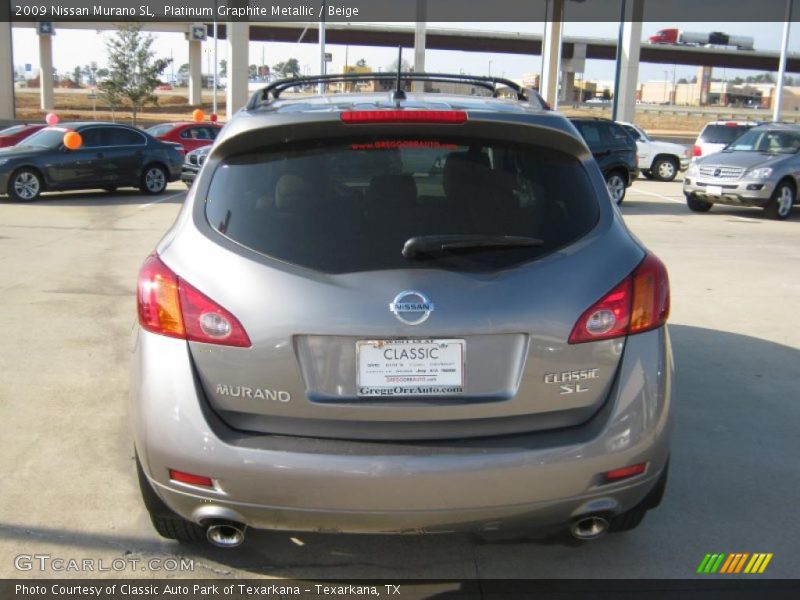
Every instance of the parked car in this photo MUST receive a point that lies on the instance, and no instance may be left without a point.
(759, 168)
(11, 136)
(615, 152)
(718, 134)
(658, 160)
(189, 135)
(111, 156)
(192, 163)
(335, 336)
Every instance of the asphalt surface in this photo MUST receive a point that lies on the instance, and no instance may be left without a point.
(67, 480)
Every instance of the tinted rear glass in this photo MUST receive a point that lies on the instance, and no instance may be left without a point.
(160, 130)
(722, 134)
(350, 206)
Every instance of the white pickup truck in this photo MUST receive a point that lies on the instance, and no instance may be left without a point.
(658, 160)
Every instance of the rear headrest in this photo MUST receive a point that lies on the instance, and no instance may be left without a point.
(293, 194)
(393, 189)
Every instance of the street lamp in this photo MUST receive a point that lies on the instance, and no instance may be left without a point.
(490, 68)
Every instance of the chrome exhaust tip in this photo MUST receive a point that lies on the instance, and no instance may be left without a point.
(589, 528)
(226, 534)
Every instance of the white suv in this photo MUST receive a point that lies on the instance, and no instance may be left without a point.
(718, 134)
(658, 160)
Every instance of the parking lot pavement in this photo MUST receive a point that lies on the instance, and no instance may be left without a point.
(69, 265)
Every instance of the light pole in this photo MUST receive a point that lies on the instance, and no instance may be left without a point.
(490, 68)
(322, 64)
(216, 67)
(776, 109)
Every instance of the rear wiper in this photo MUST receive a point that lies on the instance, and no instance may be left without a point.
(438, 244)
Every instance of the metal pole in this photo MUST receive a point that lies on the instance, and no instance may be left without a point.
(618, 66)
(216, 70)
(322, 65)
(776, 109)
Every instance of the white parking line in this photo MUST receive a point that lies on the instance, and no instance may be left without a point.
(662, 196)
(160, 200)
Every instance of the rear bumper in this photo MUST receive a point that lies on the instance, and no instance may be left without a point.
(307, 484)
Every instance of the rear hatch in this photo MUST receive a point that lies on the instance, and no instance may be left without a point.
(417, 284)
(715, 136)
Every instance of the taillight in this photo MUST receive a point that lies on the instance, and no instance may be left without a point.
(697, 151)
(157, 299)
(452, 117)
(170, 306)
(640, 302)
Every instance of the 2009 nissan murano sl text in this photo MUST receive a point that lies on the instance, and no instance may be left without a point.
(391, 312)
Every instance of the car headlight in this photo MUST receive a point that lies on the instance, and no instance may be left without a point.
(694, 170)
(761, 173)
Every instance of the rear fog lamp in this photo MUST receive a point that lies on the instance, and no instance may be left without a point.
(191, 479)
(625, 472)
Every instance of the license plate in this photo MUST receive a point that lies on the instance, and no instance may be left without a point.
(714, 190)
(410, 367)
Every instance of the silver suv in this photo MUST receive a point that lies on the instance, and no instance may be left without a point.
(759, 168)
(391, 312)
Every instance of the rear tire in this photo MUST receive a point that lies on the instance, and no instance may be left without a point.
(696, 205)
(154, 180)
(617, 185)
(780, 205)
(665, 169)
(168, 524)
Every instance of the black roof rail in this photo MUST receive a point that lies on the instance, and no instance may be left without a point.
(274, 89)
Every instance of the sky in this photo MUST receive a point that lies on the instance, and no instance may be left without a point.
(81, 47)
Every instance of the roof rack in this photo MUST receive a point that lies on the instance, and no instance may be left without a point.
(274, 89)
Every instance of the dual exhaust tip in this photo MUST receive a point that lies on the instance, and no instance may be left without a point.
(226, 534)
(230, 534)
(590, 527)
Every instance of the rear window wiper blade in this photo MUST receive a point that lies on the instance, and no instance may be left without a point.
(439, 244)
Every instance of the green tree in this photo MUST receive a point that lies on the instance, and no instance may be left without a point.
(77, 75)
(133, 69)
(290, 68)
(361, 63)
(223, 68)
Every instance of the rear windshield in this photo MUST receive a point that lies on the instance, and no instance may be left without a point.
(348, 206)
(159, 130)
(722, 134)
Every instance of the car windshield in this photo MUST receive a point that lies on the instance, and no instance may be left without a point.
(13, 130)
(349, 206)
(770, 141)
(49, 137)
(722, 134)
